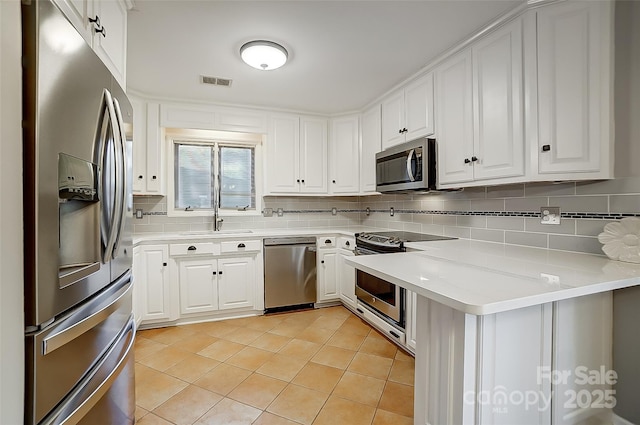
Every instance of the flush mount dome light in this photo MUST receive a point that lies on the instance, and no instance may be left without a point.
(264, 55)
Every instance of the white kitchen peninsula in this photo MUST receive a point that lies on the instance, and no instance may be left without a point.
(508, 334)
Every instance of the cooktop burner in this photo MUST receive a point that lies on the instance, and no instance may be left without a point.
(411, 236)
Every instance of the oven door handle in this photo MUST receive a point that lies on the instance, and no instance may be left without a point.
(412, 152)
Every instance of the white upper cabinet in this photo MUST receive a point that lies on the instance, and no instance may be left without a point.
(296, 160)
(454, 98)
(110, 40)
(148, 167)
(313, 155)
(103, 25)
(370, 144)
(205, 117)
(498, 142)
(344, 155)
(408, 113)
(574, 41)
(480, 111)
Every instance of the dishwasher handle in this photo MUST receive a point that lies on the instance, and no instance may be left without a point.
(312, 249)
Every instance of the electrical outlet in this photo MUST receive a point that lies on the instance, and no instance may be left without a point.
(267, 212)
(334, 211)
(280, 212)
(139, 214)
(550, 215)
(391, 212)
(368, 211)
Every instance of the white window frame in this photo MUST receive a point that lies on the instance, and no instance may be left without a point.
(205, 137)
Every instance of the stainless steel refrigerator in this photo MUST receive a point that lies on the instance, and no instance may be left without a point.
(77, 229)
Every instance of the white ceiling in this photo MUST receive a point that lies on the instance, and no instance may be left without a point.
(342, 54)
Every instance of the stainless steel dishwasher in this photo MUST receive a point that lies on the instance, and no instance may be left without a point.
(289, 272)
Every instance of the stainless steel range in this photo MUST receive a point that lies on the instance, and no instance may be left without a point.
(384, 298)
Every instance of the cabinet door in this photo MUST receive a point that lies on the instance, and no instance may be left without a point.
(313, 155)
(283, 154)
(153, 283)
(346, 278)
(371, 144)
(198, 285)
(344, 155)
(573, 86)
(393, 120)
(497, 101)
(139, 145)
(411, 299)
(78, 13)
(418, 108)
(111, 46)
(327, 282)
(154, 174)
(236, 280)
(454, 119)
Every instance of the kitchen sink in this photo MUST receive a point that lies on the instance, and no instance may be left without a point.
(219, 232)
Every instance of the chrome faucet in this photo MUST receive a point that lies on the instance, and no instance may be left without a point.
(217, 221)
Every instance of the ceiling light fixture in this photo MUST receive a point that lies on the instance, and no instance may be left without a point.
(263, 54)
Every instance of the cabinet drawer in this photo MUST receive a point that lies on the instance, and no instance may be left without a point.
(195, 248)
(388, 330)
(327, 242)
(346, 242)
(240, 246)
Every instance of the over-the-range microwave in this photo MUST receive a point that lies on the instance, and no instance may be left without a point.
(408, 167)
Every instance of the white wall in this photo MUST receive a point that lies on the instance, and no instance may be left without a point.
(11, 286)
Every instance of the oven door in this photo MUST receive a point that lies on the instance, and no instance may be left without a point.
(384, 297)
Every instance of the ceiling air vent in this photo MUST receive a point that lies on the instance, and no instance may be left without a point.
(224, 82)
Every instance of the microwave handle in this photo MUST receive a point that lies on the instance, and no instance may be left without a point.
(412, 152)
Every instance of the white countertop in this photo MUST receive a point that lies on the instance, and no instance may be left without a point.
(141, 238)
(485, 278)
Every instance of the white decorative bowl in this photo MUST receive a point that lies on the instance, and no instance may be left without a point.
(621, 240)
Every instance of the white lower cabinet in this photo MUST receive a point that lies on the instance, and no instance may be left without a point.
(346, 275)
(209, 285)
(198, 285)
(236, 282)
(514, 367)
(153, 297)
(327, 289)
(186, 282)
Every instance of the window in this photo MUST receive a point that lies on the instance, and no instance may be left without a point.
(206, 171)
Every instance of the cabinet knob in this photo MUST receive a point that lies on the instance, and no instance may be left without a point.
(404, 130)
(241, 245)
(153, 177)
(327, 241)
(298, 181)
(467, 160)
(322, 262)
(302, 180)
(191, 248)
(140, 177)
(215, 273)
(546, 148)
(164, 264)
(95, 20)
(474, 158)
(220, 272)
(333, 181)
(347, 243)
(102, 31)
(400, 131)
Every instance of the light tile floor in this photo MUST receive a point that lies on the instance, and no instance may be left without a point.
(323, 366)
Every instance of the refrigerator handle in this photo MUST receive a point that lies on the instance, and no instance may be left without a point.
(114, 225)
(122, 177)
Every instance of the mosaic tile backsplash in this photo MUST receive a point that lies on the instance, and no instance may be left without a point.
(508, 214)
